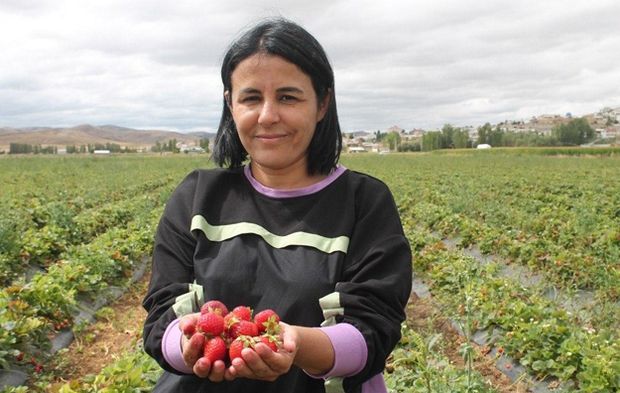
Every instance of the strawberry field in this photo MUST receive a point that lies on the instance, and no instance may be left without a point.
(520, 250)
(72, 231)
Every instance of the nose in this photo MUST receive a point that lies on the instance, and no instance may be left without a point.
(268, 113)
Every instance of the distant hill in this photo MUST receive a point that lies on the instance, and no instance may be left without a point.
(87, 134)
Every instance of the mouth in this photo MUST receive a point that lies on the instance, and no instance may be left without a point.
(270, 136)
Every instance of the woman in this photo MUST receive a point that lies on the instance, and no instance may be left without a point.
(292, 231)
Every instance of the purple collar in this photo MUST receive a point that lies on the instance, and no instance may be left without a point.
(295, 192)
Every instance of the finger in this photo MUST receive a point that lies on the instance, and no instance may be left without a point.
(288, 344)
(255, 364)
(187, 324)
(218, 368)
(289, 340)
(239, 369)
(202, 367)
(193, 349)
(278, 362)
(230, 373)
(265, 353)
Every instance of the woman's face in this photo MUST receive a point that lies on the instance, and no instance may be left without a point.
(275, 109)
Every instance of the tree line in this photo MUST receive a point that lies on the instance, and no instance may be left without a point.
(574, 133)
(24, 148)
(169, 146)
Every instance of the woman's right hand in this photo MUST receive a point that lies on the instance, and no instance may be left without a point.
(192, 345)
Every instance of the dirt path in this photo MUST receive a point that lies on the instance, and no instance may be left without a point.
(114, 333)
(424, 317)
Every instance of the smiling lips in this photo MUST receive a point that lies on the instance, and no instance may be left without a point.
(270, 136)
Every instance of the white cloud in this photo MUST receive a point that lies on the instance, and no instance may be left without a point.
(416, 63)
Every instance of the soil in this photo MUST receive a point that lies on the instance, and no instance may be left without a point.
(111, 335)
(423, 316)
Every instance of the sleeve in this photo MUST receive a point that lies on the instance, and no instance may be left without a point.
(171, 291)
(376, 281)
(350, 351)
(171, 347)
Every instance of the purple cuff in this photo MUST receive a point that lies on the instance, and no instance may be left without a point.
(375, 384)
(350, 350)
(171, 348)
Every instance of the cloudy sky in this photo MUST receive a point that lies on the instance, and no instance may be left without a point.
(411, 63)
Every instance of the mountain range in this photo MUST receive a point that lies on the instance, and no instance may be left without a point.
(88, 134)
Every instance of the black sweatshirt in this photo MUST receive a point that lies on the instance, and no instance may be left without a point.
(284, 252)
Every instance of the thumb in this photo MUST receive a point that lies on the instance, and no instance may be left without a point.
(289, 338)
(187, 324)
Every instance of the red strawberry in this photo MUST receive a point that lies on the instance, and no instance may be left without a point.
(214, 306)
(267, 320)
(234, 351)
(230, 319)
(211, 324)
(244, 313)
(243, 328)
(215, 349)
(269, 340)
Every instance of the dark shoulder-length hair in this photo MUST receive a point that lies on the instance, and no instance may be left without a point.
(281, 37)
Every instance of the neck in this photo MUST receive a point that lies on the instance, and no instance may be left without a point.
(286, 179)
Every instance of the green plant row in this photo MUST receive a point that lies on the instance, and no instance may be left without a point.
(29, 312)
(558, 216)
(39, 235)
(80, 180)
(417, 366)
(42, 246)
(109, 207)
(545, 338)
(39, 192)
(69, 187)
(26, 207)
(562, 262)
(133, 371)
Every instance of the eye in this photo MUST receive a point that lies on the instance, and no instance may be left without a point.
(250, 99)
(288, 98)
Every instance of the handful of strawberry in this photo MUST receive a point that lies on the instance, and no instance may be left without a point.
(228, 333)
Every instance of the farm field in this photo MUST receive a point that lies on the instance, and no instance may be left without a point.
(519, 249)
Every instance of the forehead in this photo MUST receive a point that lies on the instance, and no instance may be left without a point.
(265, 69)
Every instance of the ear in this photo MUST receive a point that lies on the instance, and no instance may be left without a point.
(323, 105)
(228, 99)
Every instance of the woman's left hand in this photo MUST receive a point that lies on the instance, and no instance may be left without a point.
(264, 364)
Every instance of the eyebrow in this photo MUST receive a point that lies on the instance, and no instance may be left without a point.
(290, 89)
(286, 89)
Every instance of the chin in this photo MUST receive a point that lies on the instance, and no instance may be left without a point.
(270, 164)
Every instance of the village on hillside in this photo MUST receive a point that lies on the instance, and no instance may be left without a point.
(605, 124)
